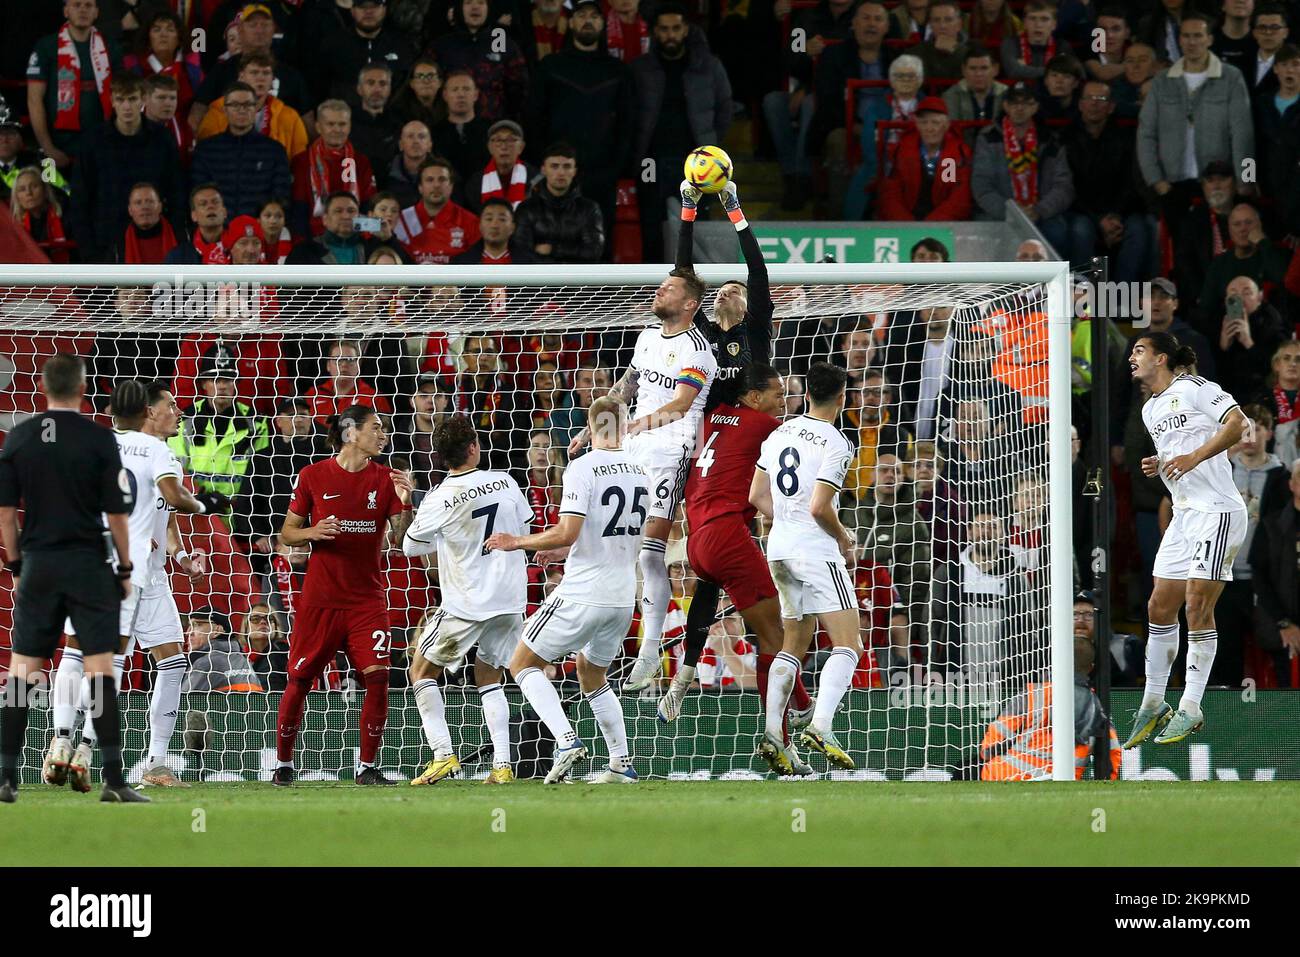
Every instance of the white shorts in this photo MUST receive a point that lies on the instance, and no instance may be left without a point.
(808, 586)
(148, 617)
(445, 639)
(559, 628)
(1200, 545)
(667, 466)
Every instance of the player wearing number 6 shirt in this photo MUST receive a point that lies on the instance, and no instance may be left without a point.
(602, 514)
(1193, 423)
(350, 502)
(797, 485)
(483, 593)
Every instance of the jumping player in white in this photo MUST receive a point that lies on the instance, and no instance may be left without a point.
(484, 594)
(1193, 423)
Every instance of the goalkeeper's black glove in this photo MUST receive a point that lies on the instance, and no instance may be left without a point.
(213, 502)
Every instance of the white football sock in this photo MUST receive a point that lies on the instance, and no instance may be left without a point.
(65, 693)
(545, 700)
(1162, 649)
(433, 715)
(655, 594)
(837, 675)
(1201, 649)
(88, 733)
(164, 705)
(609, 715)
(496, 715)
(780, 682)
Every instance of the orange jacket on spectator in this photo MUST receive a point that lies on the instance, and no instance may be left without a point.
(1020, 359)
(283, 125)
(1018, 745)
(950, 195)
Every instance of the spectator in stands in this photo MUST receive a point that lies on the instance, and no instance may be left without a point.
(627, 34)
(162, 48)
(332, 164)
(683, 100)
(160, 108)
(907, 20)
(68, 83)
(1250, 254)
(1270, 30)
(1249, 333)
(419, 98)
(584, 96)
(1233, 43)
(278, 119)
(343, 386)
(543, 482)
(898, 106)
(1277, 131)
(114, 158)
(1059, 96)
(496, 245)
(1107, 204)
(991, 22)
(557, 222)
(1203, 233)
(244, 242)
(485, 395)
(148, 236)
(973, 454)
(1160, 29)
(930, 176)
(414, 146)
(339, 243)
(266, 647)
(1140, 67)
(1275, 576)
(1028, 523)
(1040, 185)
(929, 250)
(982, 594)
(494, 60)
(216, 660)
(1218, 114)
(370, 39)
(14, 157)
(977, 96)
(506, 176)
(383, 240)
(1282, 399)
(546, 31)
(143, 353)
(375, 127)
(587, 383)
(273, 217)
(1025, 57)
(435, 228)
(830, 20)
(871, 417)
(462, 136)
(247, 166)
(942, 51)
(37, 208)
(413, 433)
(1107, 64)
(208, 214)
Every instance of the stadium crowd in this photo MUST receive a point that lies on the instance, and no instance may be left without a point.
(1163, 135)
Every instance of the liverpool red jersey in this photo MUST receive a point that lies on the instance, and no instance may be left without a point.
(345, 572)
(436, 239)
(723, 469)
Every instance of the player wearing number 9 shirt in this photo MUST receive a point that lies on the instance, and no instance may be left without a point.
(343, 506)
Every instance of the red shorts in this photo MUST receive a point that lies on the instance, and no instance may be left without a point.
(319, 634)
(724, 553)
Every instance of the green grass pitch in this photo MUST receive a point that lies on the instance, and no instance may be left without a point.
(666, 823)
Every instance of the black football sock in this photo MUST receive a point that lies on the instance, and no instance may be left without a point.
(700, 618)
(108, 726)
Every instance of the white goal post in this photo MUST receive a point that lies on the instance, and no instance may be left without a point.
(46, 301)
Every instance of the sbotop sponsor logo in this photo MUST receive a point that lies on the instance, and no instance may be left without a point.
(81, 911)
(196, 301)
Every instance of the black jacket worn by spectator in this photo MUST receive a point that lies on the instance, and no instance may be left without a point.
(376, 137)
(248, 169)
(108, 165)
(571, 223)
(228, 12)
(148, 356)
(838, 65)
(1194, 249)
(705, 84)
(1275, 572)
(464, 144)
(1278, 138)
(263, 499)
(520, 255)
(1243, 372)
(822, 22)
(342, 55)
(499, 71)
(748, 342)
(1104, 170)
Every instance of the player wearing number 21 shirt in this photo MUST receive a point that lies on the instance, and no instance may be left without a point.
(343, 506)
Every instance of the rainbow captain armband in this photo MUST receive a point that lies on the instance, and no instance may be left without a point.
(695, 378)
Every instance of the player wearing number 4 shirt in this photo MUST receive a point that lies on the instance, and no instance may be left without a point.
(797, 485)
(343, 506)
(483, 594)
(602, 515)
(1193, 423)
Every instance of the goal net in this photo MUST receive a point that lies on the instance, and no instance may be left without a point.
(959, 497)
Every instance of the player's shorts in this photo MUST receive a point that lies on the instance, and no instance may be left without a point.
(445, 639)
(724, 553)
(70, 585)
(810, 586)
(559, 628)
(320, 633)
(667, 466)
(149, 617)
(1201, 545)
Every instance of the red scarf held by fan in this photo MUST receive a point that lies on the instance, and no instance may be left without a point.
(134, 254)
(626, 41)
(68, 100)
(1287, 411)
(1027, 56)
(318, 161)
(176, 70)
(1022, 162)
(54, 234)
(212, 254)
(514, 193)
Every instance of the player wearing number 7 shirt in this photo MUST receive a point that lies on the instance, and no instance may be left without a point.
(343, 506)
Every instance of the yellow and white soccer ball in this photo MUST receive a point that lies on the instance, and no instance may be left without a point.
(708, 169)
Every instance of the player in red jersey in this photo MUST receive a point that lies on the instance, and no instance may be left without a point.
(720, 548)
(350, 500)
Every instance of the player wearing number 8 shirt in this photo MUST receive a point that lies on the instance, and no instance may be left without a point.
(350, 501)
(800, 472)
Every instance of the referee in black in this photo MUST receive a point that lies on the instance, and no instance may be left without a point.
(65, 472)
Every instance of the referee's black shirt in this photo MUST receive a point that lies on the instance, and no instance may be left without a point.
(65, 472)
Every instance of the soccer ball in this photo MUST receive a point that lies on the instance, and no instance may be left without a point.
(708, 169)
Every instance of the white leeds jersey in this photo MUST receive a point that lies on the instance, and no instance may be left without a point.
(1182, 419)
(611, 493)
(147, 460)
(800, 453)
(455, 519)
(664, 362)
